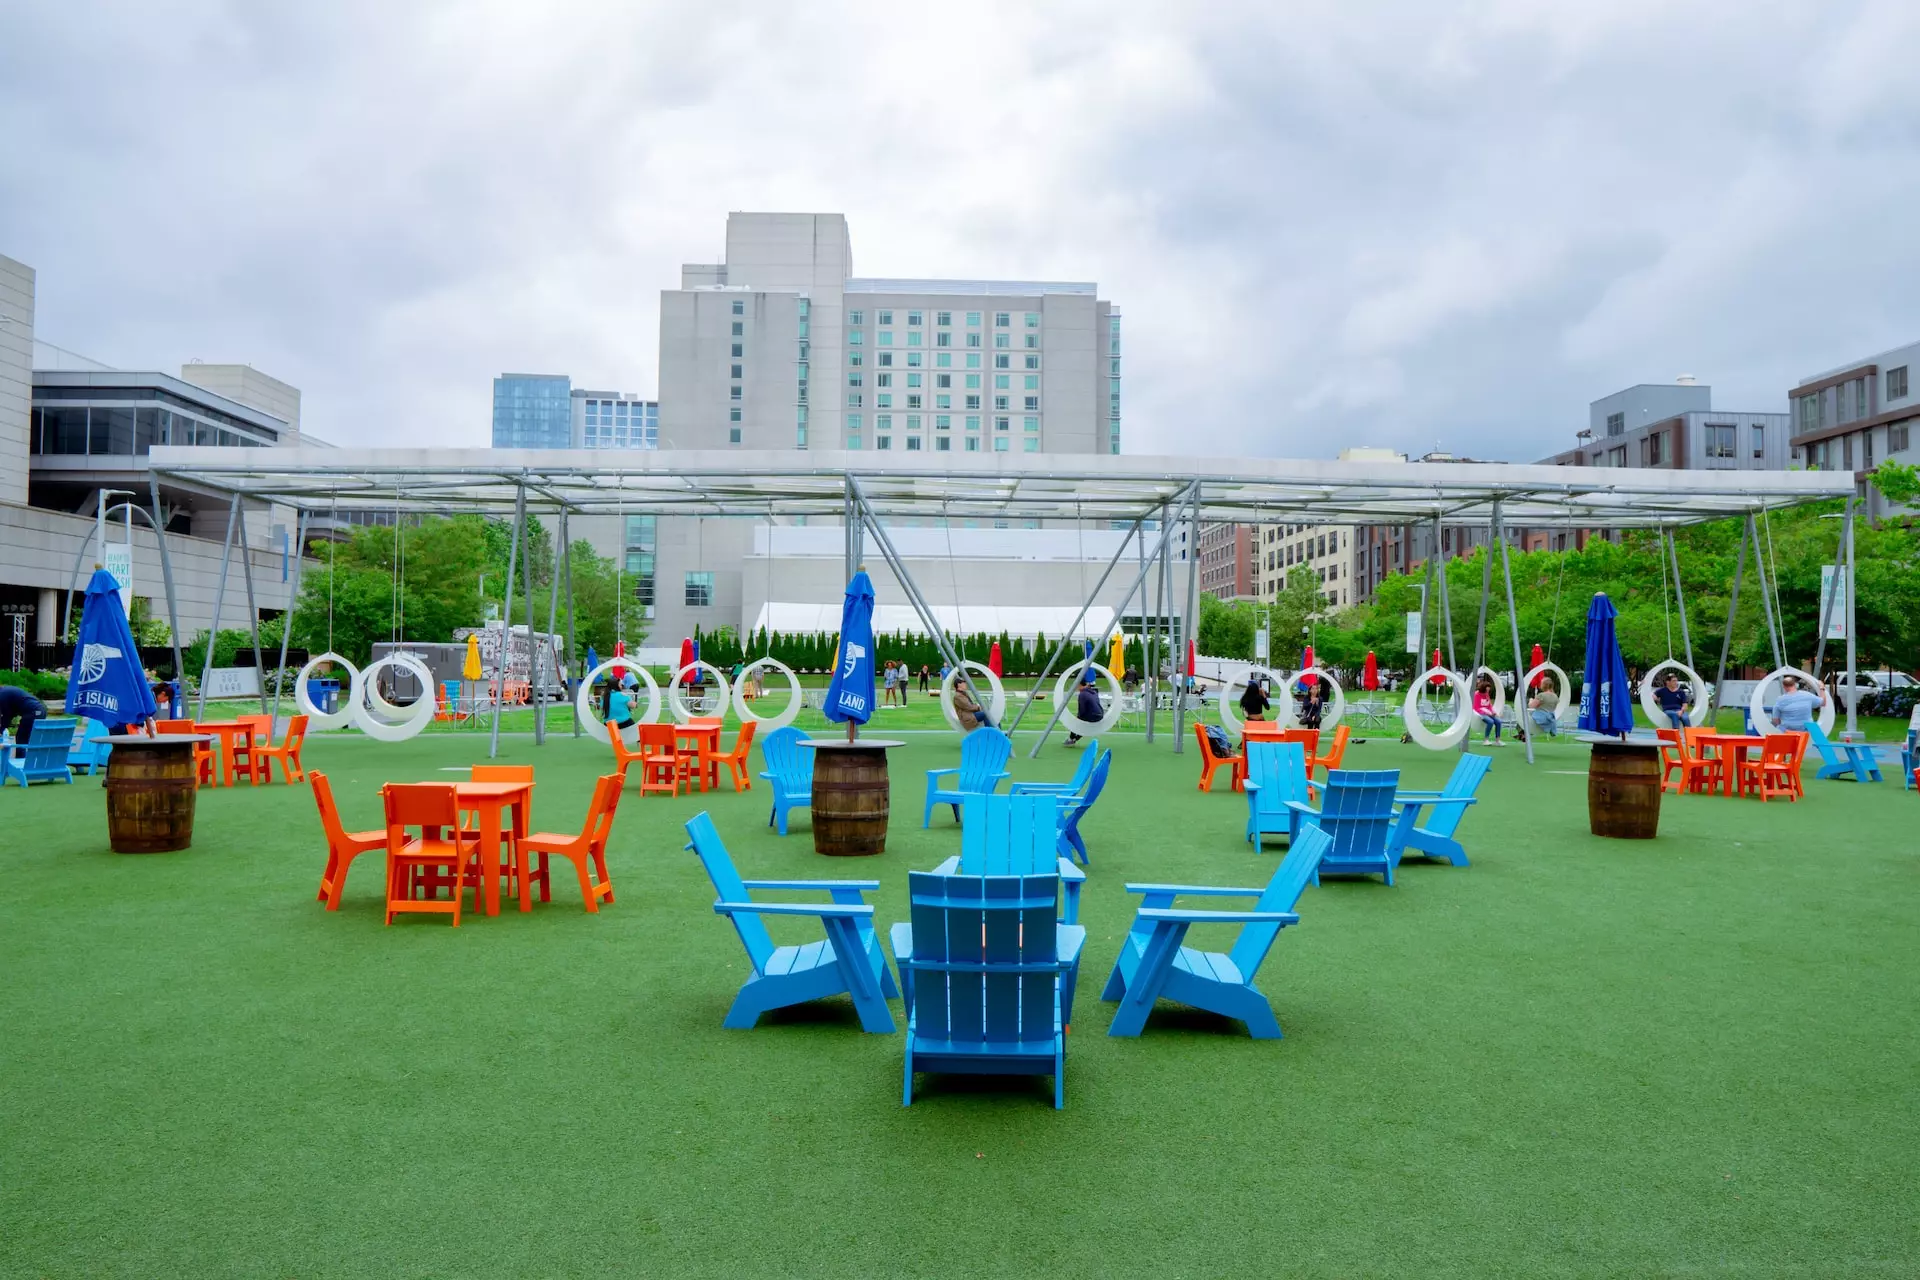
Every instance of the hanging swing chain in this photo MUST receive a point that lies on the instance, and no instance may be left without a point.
(767, 630)
(619, 566)
(1773, 564)
(399, 573)
(953, 578)
(1560, 580)
(333, 541)
(1665, 611)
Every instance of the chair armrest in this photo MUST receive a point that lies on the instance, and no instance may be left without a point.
(900, 938)
(1282, 918)
(1416, 795)
(812, 884)
(1406, 797)
(1067, 941)
(1304, 809)
(1041, 789)
(951, 867)
(1196, 890)
(820, 909)
(1251, 787)
(940, 773)
(1070, 873)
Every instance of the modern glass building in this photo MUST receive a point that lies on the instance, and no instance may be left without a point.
(614, 420)
(532, 411)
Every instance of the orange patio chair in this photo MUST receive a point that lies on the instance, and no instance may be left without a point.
(736, 758)
(1776, 772)
(660, 768)
(1700, 772)
(441, 848)
(259, 731)
(202, 752)
(702, 765)
(1210, 762)
(623, 755)
(287, 753)
(1672, 752)
(343, 846)
(1309, 740)
(1335, 754)
(513, 858)
(591, 843)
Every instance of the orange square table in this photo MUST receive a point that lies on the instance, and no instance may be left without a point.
(229, 732)
(485, 800)
(1729, 749)
(704, 735)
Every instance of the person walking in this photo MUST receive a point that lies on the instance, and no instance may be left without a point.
(926, 674)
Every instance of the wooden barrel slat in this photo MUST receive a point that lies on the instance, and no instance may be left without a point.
(151, 791)
(850, 803)
(1623, 791)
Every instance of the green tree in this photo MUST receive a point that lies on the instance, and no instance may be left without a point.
(605, 608)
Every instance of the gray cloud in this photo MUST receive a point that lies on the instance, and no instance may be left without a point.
(1326, 224)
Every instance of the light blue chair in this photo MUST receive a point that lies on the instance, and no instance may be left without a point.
(1357, 812)
(42, 755)
(790, 770)
(1910, 760)
(848, 959)
(988, 974)
(1074, 808)
(1088, 755)
(1014, 836)
(1840, 759)
(1153, 965)
(983, 761)
(1276, 777)
(1449, 805)
(85, 753)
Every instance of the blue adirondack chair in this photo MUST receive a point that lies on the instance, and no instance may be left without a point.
(848, 959)
(1084, 771)
(1074, 808)
(1276, 776)
(1449, 804)
(983, 762)
(1015, 836)
(42, 755)
(1153, 964)
(85, 753)
(988, 974)
(1356, 810)
(1838, 759)
(790, 770)
(1910, 760)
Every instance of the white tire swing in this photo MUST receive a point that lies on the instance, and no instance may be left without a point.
(996, 705)
(677, 704)
(1328, 718)
(1651, 681)
(1450, 736)
(1756, 705)
(413, 719)
(746, 714)
(1074, 724)
(1230, 710)
(590, 719)
(316, 718)
(1568, 702)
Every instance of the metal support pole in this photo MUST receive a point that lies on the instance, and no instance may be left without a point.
(1829, 598)
(1446, 606)
(286, 619)
(219, 598)
(253, 614)
(1429, 602)
(553, 618)
(1726, 638)
(853, 519)
(1480, 628)
(1067, 637)
(535, 676)
(506, 620)
(1853, 572)
(1766, 600)
(1513, 626)
(166, 574)
(1680, 598)
(1154, 648)
(573, 654)
(1190, 626)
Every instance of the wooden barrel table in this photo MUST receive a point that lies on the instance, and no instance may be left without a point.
(151, 787)
(850, 796)
(1623, 790)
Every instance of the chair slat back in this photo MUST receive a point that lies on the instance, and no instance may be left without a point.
(296, 732)
(1009, 835)
(743, 741)
(1089, 756)
(1279, 769)
(983, 754)
(173, 726)
(330, 823)
(508, 773)
(1462, 783)
(784, 757)
(1281, 894)
(599, 825)
(1309, 739)
(657, 740)
(1357, 810)
(712, 852)
(1337, 752)
(44, 752)
(429, 806)
(992, 957)
(1079, 804)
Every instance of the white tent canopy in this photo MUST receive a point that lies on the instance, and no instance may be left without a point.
(1022, 622)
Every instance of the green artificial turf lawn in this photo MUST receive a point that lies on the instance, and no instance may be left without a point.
(1577, 1057)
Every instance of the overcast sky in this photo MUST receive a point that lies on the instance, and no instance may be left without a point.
(1409, 224)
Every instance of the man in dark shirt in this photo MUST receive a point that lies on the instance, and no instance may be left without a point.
(18, 710)
(1674, 699)
(1087, 705)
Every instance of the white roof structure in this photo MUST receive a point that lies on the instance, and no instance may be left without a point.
(1024, 621)
(987, 486)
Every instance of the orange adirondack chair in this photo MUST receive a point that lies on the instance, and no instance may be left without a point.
(287, 753)
(343, 846)
(591, 843)
(1210, 762)
(736, 758)
(434, 810)
(202, 752)
(659, 760)
(513, 858)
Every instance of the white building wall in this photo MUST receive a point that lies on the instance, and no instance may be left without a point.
(16, 375)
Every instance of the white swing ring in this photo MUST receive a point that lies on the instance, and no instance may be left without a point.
(677, 704)
(590, 719)
(1756, 705)
(747, 715)
(996, 704)
(1650, 681)
(1074, 724)
(1462, 719)
(416, 717)
(316, 718)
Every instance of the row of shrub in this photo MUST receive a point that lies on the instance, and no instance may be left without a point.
(48, 686)
(813, 651)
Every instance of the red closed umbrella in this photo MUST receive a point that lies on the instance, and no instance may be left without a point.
(994, 661)
(1437, 681)
(1190, 669)
(1370, 674)
(1539, 656)
(619, 651)
(1306, 660)
(686, 653)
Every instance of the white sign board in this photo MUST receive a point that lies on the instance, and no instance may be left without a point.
(1413, 633)
(233, 682)
(1260, 645)
(1830, 584)
(117, 559)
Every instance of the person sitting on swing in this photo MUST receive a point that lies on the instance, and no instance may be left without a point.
(1674, 699)
(1087, 705)
(1483, 707)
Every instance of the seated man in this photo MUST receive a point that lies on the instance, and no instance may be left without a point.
(1674, 701)
(1797, 706)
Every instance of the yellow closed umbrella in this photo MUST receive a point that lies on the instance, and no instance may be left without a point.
(470, 669)
(1117, 656)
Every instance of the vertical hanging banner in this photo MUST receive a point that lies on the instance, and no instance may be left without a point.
(1414, 644)
(117, 559)
(1833, 601)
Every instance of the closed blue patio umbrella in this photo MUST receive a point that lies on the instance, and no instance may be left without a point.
(108, 683)
(1606, 703)
(850, 694)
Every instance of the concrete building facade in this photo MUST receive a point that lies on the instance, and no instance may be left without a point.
(1859, 415)
(1674, 426)
(1227, 560)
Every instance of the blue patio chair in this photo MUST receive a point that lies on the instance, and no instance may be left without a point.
(790, 770)
(1910, 760)
(1015, 836)
(988, 974)
(1088, 755)
(848, 959)
(983, 762)
(1074, 808)
(1276, 776)
(1356, 810)
(1449, 804)
(1153, 965)
(42, 755)
(1839, 759)
(85, 753)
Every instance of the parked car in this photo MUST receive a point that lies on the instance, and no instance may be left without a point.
(1868, 686)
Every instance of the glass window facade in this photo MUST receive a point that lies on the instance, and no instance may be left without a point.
(620, 424)
(532, 411)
